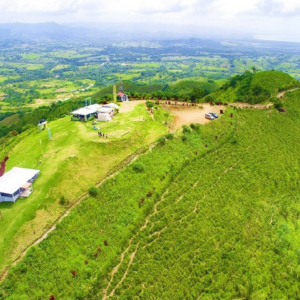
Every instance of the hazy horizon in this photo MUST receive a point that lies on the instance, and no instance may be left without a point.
(263, 19)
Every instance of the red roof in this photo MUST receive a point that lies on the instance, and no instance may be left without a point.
(120, 94)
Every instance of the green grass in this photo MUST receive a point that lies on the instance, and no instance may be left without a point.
(269, 83)
(9, 120)
(129, 87)
(73, 161)
(223, 221)
(31, 56)
(60, 67)
(273, 81)
(186, 86)
(2, 78)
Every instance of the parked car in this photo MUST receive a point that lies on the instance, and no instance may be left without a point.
(209, 116)
(215, 115)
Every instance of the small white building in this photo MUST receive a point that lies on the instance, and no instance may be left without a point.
(103, 117)
(105, 113)
(17, 183)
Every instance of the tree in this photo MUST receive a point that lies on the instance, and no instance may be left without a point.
(197, 94)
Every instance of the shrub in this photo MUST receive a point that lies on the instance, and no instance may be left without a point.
(184, 138)
(196, 127)
(278, 104)
(186, 129)
(63, 200)
(169, 136)
(149, 104)
(161, 140)
(93, 191)
(138, 167)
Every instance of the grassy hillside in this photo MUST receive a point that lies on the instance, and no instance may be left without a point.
(182, 87)
(187, 86)
(255, 88)
(73, 161)
(10, 120)
(213, 214)
(273, 81)
(129, 87)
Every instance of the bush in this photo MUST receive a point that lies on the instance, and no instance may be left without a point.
(63, 201)
(196, 127)
(278, 104)
(184, 138)
(138, 167)
(149, 104)
(93, 191)
(186, 129)
(169, 136)
(161, 140)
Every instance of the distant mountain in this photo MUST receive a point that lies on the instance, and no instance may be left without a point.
(104, 32)
(42, 31)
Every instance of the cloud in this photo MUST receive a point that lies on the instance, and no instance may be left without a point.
(249, 15)
(280, 8)
(163, 8)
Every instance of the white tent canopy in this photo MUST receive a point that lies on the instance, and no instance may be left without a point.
(87, 110)
(14, 179)
(83, 111)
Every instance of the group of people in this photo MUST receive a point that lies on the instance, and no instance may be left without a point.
(100, 134)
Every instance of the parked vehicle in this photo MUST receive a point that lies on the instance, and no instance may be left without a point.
(209, 116)
(215, 115)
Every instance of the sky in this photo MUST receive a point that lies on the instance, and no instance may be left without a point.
(271, 19)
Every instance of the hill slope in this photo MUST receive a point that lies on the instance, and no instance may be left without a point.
(211, 218)
(255, 88)
(183, 87)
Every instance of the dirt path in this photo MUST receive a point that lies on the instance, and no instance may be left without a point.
(280, 95)
(116, 268)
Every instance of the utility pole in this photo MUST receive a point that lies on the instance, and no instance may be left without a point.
(115, 93)
(1, 216)
(42, 147)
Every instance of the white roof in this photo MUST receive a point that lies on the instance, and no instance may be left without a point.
(12, 180)
(105, 109)
(94, 106)
(84, 111)
(114, 105)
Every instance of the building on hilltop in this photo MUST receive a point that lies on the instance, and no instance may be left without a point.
(17, 183)
(123, 97)
(86, 113)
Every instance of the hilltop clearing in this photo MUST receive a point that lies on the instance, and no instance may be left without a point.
(183, 89)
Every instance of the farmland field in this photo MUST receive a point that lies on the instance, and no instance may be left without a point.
(26, 74)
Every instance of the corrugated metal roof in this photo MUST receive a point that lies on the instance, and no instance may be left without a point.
(12, 180)
(84, 111)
